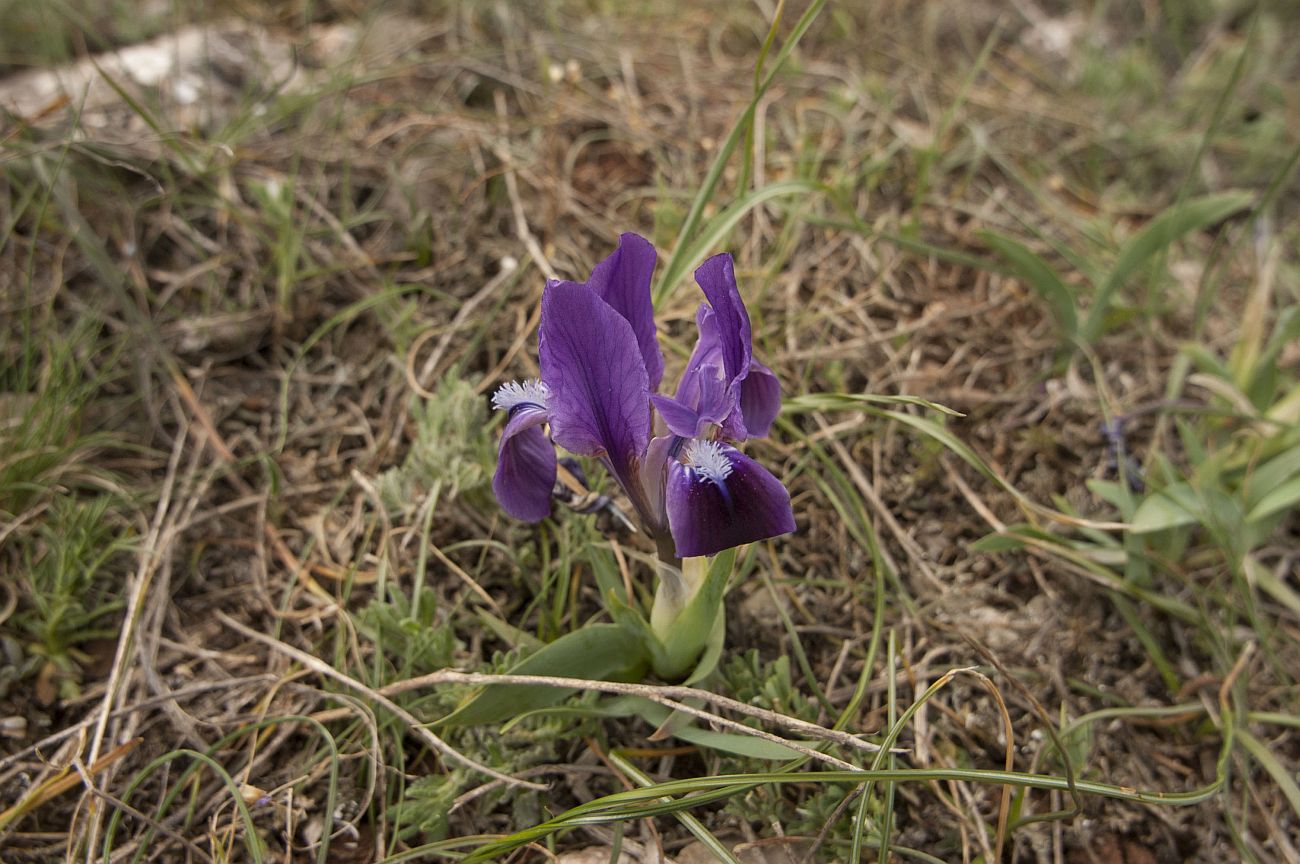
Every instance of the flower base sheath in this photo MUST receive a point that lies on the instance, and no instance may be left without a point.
(675, 456)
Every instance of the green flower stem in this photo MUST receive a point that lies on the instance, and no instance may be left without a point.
(686, 611)
(677, 587)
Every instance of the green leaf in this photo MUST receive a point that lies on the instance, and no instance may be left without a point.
(656, 715)
(1285, 331)
(1113, 493)
(605, 568)
(1279, 772)
(726, 742)
(1040, 276)
(1172, 507)
(1271, 584)
(1284, 496)
(712, 649)
(631, 620)
(997, 542)
(1274, 473)
(1163, 231)
(1206, 361)
(601, 652)
(1260, 381)
(508, 633)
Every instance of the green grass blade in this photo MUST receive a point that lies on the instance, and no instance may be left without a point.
(1276, 770)
(1168, 227)
(679, 260)
(695, 826)
(1285, 496)
(716, 230)
(675, 795)
(1040, 276)
(806, 403)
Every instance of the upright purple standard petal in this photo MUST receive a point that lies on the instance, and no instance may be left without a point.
(717, 278)
(752, 393)
(599, 392)
(706, 358)
(719, 498)
(525, 472)
(623, 281)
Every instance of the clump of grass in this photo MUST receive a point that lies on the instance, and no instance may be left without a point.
(66, 534)
(70, 588)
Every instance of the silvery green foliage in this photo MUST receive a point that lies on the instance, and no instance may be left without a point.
(448, 454)
(420, 635)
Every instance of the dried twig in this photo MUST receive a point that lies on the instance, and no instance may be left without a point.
(413, 723)
(670, 696)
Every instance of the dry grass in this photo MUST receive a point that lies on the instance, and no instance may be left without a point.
(282, 282)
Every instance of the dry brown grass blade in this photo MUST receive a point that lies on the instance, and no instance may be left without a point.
(156, 545)
(66, 779)
(1009, 762)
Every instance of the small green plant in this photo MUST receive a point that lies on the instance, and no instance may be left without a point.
(415, 632)
(425, 809)
(1242, 474)
(69, 583)
(60, 512)
(1198, 522)
(448, 454)
(44, 390)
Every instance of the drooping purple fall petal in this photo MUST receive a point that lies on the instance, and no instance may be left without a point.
(719, 498)
(591, 363)
(525, 472)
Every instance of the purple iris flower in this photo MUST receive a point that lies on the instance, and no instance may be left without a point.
(674, 456)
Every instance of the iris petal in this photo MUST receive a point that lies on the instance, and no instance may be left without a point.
(707, 353)
(525, 472)
(623, 281)
(717, 278)
(710, 404)
(721, 498)
(599, 395)
(653, 470)
(760, 400)
(752, 395)
(681, 420)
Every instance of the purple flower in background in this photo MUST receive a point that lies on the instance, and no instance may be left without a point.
(674, 455)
